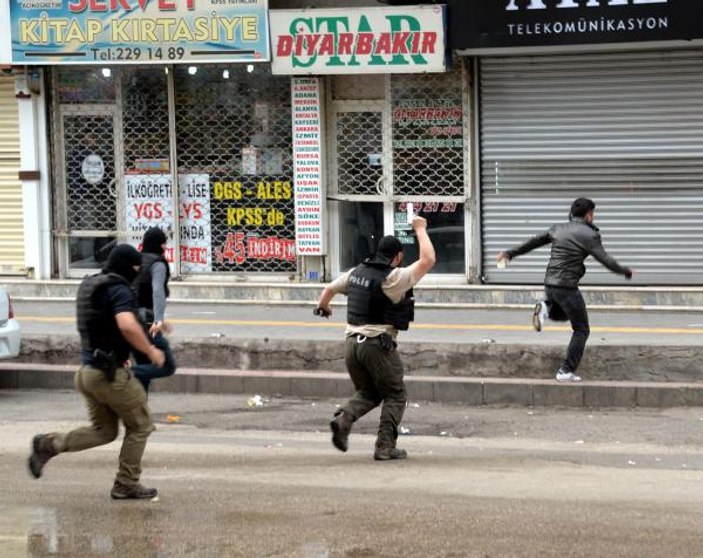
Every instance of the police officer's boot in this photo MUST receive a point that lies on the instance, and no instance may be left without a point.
(386, 453)
(341, 427)
(385, 448)
(42, 451)
(132, 492)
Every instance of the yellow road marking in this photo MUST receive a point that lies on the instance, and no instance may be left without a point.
(446, 327)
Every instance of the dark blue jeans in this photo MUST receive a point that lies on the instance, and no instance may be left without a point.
(145, 371)
(568, 305)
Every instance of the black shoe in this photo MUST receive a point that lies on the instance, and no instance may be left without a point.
(132, 492)
(386, 454)
(341, 427)
(42, 451)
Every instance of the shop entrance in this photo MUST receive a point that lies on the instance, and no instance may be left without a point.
(396, 140)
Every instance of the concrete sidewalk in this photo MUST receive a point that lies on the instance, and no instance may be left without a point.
(448, 354)
(440, 389)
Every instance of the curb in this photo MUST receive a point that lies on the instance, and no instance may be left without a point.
(604, 363)
(439, 389)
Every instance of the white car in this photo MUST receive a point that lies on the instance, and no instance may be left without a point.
(9, 328)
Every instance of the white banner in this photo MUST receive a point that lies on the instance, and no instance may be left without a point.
(307, 156)
(404, 39)
(149, 203)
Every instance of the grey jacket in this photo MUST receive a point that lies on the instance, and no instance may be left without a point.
(572, 243)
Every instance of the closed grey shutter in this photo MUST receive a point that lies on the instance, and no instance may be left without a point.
(11, 214)
(624, 129)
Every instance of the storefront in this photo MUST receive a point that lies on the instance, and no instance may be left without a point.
(396, 127)
(11, 210)
(158, 120)
(589, 99)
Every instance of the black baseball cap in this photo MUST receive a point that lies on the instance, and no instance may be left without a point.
(388, 248)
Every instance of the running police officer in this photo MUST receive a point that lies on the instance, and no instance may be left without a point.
(380, 302)
(151, 289)
(108, 326)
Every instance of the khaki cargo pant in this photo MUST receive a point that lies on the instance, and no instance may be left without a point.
(125, 400)
(378, 378)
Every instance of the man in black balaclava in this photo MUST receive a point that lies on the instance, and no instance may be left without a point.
(109, 329)
(151, 288)
(379, 303)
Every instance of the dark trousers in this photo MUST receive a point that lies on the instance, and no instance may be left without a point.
(568, 305)
(378, 378)
(145, 371)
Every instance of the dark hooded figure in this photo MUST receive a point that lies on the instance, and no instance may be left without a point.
(151, 289)
(109, 329)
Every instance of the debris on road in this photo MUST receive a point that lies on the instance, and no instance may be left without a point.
(632, 463)
(404, 430)
(256, 401)
(173, 418)
(579, 442)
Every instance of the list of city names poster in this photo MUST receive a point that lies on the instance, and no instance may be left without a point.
(149, 203)
(307, 156)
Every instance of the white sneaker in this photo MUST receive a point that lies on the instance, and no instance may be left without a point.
(564, 376)
(540, 315)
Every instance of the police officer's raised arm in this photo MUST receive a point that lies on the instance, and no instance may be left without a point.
(427, 257)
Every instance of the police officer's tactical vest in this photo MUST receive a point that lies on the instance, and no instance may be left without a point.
(96, 324)
(142, 284)
(367, 304)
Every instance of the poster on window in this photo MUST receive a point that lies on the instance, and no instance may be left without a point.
(253, 224)
(149, 203)
(196, 236)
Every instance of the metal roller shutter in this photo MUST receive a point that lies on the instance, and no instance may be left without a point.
(624, 129)
(11, 221)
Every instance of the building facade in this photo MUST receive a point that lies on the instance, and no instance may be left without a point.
(288, 157)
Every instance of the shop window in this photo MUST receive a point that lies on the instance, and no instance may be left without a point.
(145, 120)
(445, 226)
(360, 153)
(89, 166)
(361, 227)
(90, 252)
(369, 87)
(233, 129)
(428, 134)
(86, 85)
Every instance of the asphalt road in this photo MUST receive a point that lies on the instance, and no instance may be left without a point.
(450, 325)
(236, 480)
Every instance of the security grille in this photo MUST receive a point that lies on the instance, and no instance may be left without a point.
(233, 145)
(234, 127)
(360, 153)
(89, 163)
(144, 116)
(409, 127)
(82, 86)
(428, 134)
(622, 128)
(359, 88)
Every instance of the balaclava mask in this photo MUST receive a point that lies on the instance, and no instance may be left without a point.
(122, 260)
(154, 239)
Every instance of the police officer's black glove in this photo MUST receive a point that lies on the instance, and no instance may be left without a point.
(322, 312)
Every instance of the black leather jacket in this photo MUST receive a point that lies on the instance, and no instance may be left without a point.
(572, 243)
